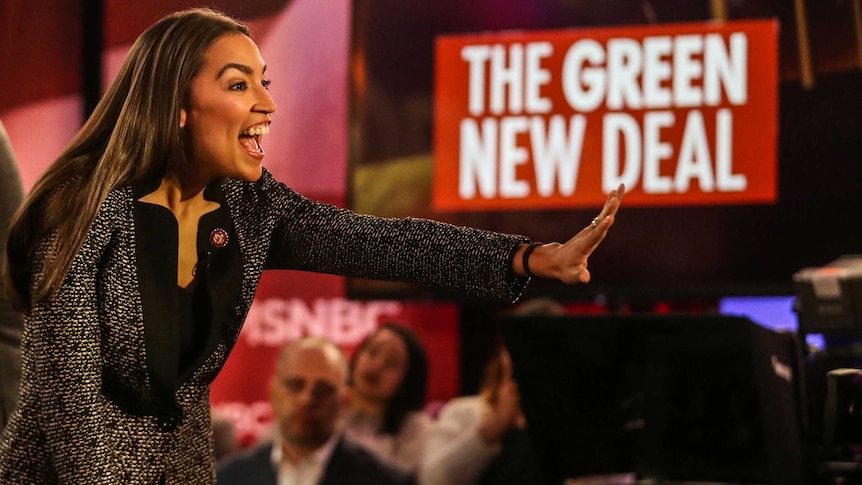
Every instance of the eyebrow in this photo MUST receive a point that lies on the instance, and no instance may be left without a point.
(240, 67)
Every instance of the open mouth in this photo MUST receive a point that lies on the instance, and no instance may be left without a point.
(371, 379)
(251, 138)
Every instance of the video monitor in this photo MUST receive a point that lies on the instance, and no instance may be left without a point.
(688, 398)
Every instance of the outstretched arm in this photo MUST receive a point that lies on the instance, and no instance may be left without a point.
(567, 262)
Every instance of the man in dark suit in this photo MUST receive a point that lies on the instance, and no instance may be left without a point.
(308, 393)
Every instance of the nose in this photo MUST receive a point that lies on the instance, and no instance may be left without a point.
(265, 103)
(306, 396)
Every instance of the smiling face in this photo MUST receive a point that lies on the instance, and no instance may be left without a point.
(228, 111)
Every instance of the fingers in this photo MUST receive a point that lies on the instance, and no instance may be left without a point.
(572, 263)
(598, 228)
(615, 197)
(612, 204)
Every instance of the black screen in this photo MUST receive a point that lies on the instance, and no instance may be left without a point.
(682, 398)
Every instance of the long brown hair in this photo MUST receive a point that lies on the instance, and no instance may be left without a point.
(133, 134)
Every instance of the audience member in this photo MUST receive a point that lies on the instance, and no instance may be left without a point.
(389, 380)
(308, 395)
(483, 438)
(11, 323)
(539, 306)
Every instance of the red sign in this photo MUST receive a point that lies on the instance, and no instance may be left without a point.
(683, 114)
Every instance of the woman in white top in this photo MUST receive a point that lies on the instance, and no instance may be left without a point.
(482, 439)
(389, 380)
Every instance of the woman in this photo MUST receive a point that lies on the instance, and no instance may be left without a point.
(137, 254)
(482, 439)
(389, 380)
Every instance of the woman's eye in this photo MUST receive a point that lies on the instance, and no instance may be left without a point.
(239, 86)
(265, 83)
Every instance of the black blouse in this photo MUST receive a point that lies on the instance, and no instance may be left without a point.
(192, 331)
(182, 326)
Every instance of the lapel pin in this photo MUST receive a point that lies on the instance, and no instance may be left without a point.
(218, 237)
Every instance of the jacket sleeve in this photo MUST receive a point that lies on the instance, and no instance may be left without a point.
(319, 237)
(63, 363)
(454, 450)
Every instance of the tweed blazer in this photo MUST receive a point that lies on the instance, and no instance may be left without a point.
(88, 410)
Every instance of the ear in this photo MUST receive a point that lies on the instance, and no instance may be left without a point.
(182, 118)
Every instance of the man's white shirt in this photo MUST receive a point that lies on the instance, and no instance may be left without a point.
(309, 470)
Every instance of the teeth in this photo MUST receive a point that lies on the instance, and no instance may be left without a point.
(257, 130)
